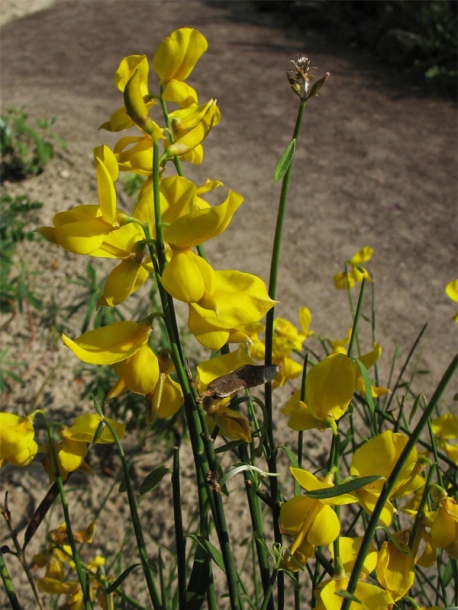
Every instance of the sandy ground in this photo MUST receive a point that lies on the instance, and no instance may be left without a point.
(376, 165)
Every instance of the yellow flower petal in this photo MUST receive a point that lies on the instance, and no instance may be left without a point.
(186, 275)
(310, 482)
(85, 426)
(201, 225)
(141, 371)
(330, 386)
(181, 93)
(177, 55)
(362, 256)
(451, 290)
(17, 443)
(109, 344)
(128, 66)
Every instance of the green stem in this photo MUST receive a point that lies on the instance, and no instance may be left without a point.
(274, 268)
(136, 521)
(390, 482)
(180, 539)
(354, 331)
(8, 584)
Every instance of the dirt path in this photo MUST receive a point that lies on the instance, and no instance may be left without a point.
(377, 163)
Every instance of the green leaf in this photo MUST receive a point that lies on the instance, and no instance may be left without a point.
(343, 488)
(153, 479)
(285, 161)
(291, 456)
(199, 579)
(211, 550)
(114, 585)
(367, 385)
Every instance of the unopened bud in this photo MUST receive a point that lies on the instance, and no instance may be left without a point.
(135, 104)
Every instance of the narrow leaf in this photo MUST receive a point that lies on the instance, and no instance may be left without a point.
(199, 579)
(343, 488)
(114, 585)
(285, 161)
(153, 479)
(212, 551)
(367, 386)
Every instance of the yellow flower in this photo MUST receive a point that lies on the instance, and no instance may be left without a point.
(191, 126)
(445, 428)
(188, 277)
(238, 299)
(370, 596)
(378, 456)
(82, 229)
(139, 373)
(349, 549)
(330, 385)
(396, 565)
(73, 446)
(167, 397)
(312, 522)
(17, 442)
(109, 344)
(346, 280)
(444, 527)
(85, 426)
(451, 290)
(130, 65)
(177, 55)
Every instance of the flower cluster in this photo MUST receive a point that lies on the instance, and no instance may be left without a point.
(18, 444)
(163, 234)
(59, 564)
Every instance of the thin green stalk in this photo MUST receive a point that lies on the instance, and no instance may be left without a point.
(403, 369)
(180, 539)
(274, 268)
(8, 584)
(436, 457)
(390, 482)
(254, 506)
(157, 605)
(354, 331)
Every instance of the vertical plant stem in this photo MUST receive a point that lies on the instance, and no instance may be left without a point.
(180, 540)
(274, 268)
(8, 584)
(354, 331)
(390, 482)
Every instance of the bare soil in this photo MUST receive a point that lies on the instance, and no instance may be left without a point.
(376, 165)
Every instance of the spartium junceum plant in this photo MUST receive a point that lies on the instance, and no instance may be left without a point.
(374, 525)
